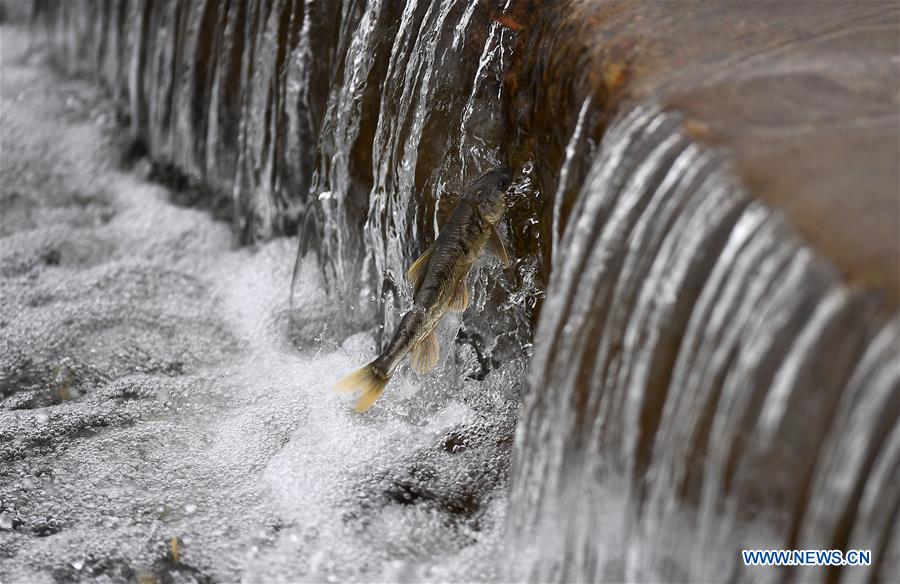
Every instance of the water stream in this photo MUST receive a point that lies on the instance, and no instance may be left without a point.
(698, 370)
(669, 371)
(150, 391)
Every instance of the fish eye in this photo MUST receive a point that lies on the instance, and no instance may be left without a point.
(503, 184)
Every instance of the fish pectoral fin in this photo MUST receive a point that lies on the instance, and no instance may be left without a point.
(416, 271)
(495, 246)
(460, 300)
(425, 354)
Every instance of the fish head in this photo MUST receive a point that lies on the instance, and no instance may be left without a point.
(488, 193)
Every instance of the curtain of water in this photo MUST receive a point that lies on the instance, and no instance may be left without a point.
(700, 371)
(417, 114)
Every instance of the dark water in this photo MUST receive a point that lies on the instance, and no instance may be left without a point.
(706, 360)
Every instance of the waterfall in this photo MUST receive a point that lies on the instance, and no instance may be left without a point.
(702, 382)
(703, 227)
(418, 113)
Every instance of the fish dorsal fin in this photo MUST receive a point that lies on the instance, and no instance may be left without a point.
(460, 300)
(416, 271)
(425, 354)
(496, 247)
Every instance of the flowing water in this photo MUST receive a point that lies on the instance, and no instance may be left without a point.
(150, 392)
(698, 370)
(666, 374)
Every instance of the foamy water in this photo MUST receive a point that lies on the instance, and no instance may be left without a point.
(150, 393)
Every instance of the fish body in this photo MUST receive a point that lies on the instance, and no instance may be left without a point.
(439, 283)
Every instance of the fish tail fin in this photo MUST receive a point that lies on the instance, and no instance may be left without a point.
(368, 379)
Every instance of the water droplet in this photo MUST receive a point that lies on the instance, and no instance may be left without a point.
(78, 564)
(190, 508)
(42, 417)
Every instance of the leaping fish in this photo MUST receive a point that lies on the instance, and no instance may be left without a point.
(438, 278)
